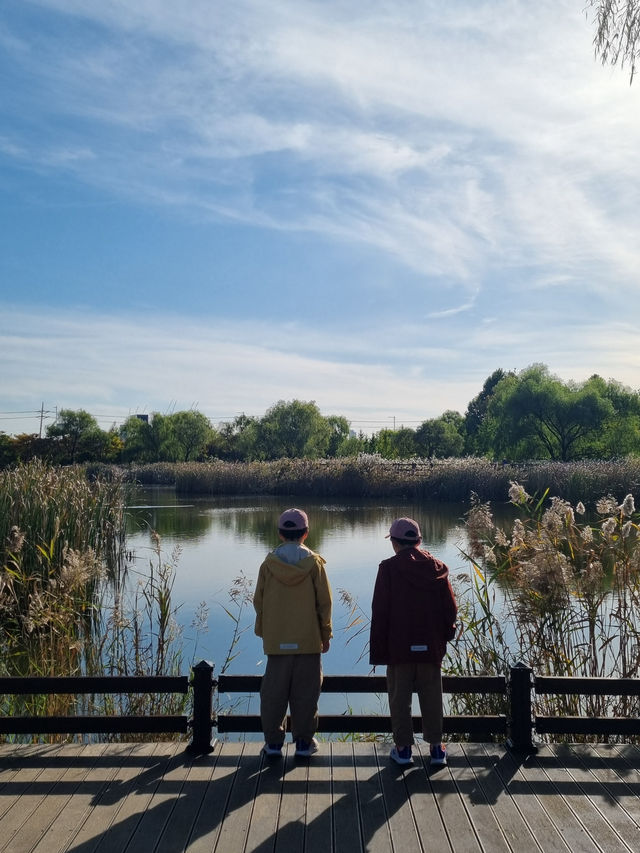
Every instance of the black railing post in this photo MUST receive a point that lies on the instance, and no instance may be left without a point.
(202, 722)
(520, 725)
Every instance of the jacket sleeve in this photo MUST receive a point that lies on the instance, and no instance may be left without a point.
(323, 601)
(379, 631)
(449, 612)
(257, 601)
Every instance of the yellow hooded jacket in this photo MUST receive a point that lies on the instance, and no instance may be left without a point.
(293, 605)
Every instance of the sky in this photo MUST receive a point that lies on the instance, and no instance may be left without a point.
(220, 205)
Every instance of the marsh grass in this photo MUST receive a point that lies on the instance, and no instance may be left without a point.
(67, 606)
(556, 591)
(372, 476)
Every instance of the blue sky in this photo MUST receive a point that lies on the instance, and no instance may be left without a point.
(370, 205)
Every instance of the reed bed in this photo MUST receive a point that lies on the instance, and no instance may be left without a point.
(69, 604)
(556, 590)
(369, 475)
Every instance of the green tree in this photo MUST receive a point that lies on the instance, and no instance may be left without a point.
(536, 415)
(191, 431)
(395, 443)
(77, 436)
(338, 433)
(474, 419)
(441, 436)
(293, 429)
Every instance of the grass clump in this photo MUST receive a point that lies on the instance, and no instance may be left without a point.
(557, 591)
(66, 604)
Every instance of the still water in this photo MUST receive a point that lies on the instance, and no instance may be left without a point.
(219, 539)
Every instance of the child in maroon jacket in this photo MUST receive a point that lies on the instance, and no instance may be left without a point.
(413, 615)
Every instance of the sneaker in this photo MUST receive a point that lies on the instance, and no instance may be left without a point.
(272, 749)
(401, 756)
(305, 748)
(438, 755)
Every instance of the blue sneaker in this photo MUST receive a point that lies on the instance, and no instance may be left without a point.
(438, 755)
(306, 748)
(401, 756)
(272, 749)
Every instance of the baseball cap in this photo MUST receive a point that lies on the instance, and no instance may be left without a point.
(404, 528)
(293, 519)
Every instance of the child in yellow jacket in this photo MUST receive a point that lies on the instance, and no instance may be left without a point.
(293, 616)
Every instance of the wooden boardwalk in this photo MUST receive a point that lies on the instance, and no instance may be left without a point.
(153, 797)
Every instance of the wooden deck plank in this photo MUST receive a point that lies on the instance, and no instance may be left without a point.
(402, 828)
(31, 792)
(481, 814)
(127, 803)
(293, 804)
(584, 770)
(208, 822)
(430, 825)
(126, 762)
(454, 815)
(556, 804)
(346, 821)
(266, 806)
(373, 812)
(509, 770)
(348, 797)
(23, 766)
(237, 819)
(483, 759)
(179, 827)
(71, 807)
(319, 829)
(559, 764)
(159, 809)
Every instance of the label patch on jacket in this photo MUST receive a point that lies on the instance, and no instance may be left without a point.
(419, 648)
(288, 647)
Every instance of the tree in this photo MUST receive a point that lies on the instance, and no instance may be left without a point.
(338, 433)
(617, 32)
(191, 432)
(477, 411)
(441, 436)
(395, 443)
(77, 435)
(295, 430)
(535, 415)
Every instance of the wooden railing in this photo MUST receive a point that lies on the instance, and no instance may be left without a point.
(519, 723)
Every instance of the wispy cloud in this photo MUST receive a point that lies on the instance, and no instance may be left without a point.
(475, 151)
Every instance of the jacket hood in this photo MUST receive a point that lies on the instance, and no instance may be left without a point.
(291, 574)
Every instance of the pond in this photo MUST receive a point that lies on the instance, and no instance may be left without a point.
(221, 539)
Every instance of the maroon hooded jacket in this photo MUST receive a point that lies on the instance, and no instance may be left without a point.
(413, 612)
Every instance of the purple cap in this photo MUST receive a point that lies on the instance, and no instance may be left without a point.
(293, 519)
(404, 528)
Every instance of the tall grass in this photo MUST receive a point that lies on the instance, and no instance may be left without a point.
(557, 591)
(372, 476)
(68, 605)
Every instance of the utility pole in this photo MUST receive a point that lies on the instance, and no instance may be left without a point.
(41, 418)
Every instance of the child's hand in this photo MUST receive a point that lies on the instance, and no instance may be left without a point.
(325, 646)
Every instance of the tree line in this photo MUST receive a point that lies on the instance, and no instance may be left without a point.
(524, 415)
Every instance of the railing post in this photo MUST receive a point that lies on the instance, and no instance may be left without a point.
(520, 724)
(202, 722)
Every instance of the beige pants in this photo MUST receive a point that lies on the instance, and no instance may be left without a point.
(296, 681)
(403, 679)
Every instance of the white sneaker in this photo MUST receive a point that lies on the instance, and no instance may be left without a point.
(306, 748)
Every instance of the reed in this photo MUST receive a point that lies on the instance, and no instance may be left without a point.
(68, 605)
(369, 475)
(556, 591)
